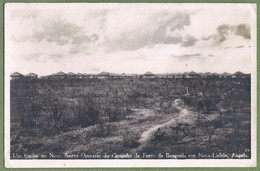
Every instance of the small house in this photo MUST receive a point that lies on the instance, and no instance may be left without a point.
(215, 75)
(129, 75)
(138, 76)
(184, 75)
(247, 76)
(238, 75)
(79, 75)
(148, 75)
(178, 76)
(193, 74)
(123, 75)
(84, 76)
(161, 76)
(31, 76)
(52, 76)
(170, 75)
(103, 75)
(225, 75)
(71, 75)
(206, 75)
(16, 75)
(59, 75)
(116, 76)
(44, 77)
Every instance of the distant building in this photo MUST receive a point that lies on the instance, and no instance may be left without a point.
(184, 75)
(52, 76)
(116, 76)
(71, 75)
(59, 75)
(138, 76)
(129, 75)
(123, 74)
(44, 77)
(247, 75)
(215, 75)
(210, 75)
(206, 75)
(31, 76)
(178, 76)
(192, 74)
(170, 75)
(103, 75)
(161, 76)
(88, 76)
(225, 75)
(16, 75)
(148, 75)
(79, 75)
(238, 75)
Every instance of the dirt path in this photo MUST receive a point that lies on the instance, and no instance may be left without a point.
(182, 117)
(142, 123)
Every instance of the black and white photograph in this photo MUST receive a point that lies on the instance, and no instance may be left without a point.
(130, 85)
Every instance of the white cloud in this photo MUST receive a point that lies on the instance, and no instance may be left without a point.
(130, 38)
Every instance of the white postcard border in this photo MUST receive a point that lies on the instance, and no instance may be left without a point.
(124, 163)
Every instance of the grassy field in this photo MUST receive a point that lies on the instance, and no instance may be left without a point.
(129, 116)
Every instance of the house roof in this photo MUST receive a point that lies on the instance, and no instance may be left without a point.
(60, 73)
(130, 75)
(193, 73)
(117, 75)
(148, 73)
(214, 73)
(104, 74)
(16, 74)
(31, 74)
(207, 74)
(225, 73)
(71, 73)
(238, 73)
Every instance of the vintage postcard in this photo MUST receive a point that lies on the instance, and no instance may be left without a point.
(130, 85)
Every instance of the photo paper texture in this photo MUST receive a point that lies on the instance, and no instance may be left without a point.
(130, 85)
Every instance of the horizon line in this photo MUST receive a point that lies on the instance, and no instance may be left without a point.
(148, 72)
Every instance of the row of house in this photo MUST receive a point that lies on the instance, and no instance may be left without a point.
(17, 75)
(102, 75)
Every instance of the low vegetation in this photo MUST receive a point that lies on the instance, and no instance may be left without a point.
(99, 116)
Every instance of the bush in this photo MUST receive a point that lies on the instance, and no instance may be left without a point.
(130, 140)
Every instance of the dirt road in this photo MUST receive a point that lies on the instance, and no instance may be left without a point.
(141, 125)
(181, 118)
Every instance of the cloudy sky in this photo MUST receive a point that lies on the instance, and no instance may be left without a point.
(128, 38)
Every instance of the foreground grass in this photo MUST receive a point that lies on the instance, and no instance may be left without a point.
(130, 116)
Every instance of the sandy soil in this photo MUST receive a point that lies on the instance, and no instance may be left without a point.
(141, 124)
